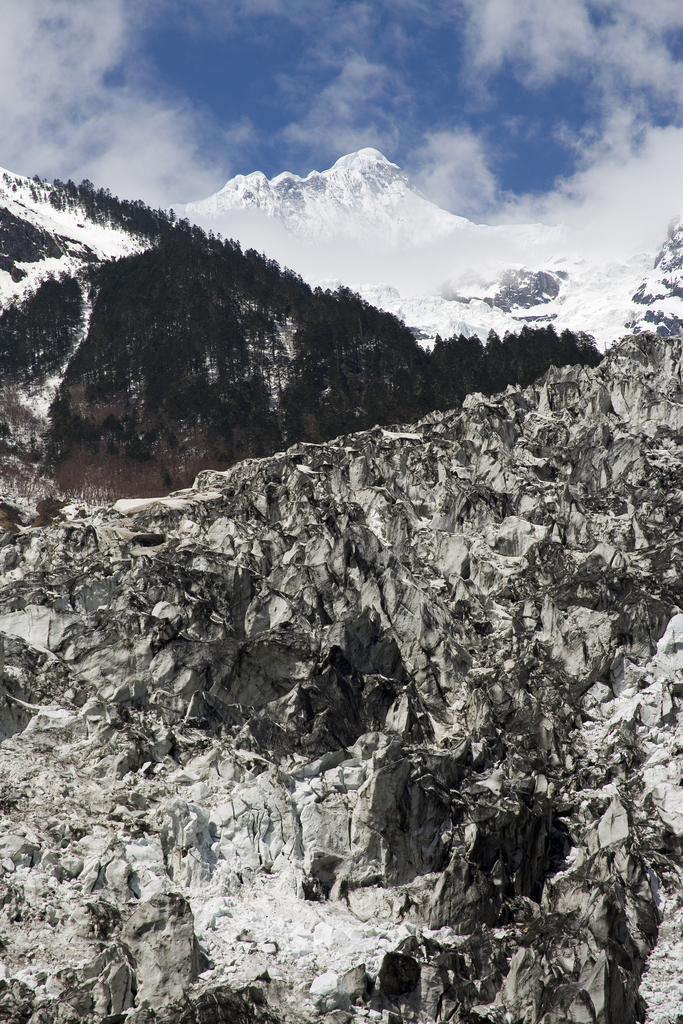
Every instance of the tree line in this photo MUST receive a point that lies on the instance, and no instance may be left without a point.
(199, 353)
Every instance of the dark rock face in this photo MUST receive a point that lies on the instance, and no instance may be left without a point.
(522, 289)
(398, 717)
(665, 282)
(398, 975)
(160, 939)
(22, 242)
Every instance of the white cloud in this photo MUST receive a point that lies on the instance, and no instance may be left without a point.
(624, 197)
(77, 101)
(356, 109)
(619, 44)
(452, 168)
(628, 154)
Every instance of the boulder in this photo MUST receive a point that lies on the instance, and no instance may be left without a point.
(328, 992)
(613, 826)
(398, 976)
(159, 936)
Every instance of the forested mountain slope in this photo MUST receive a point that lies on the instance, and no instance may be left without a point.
(52, 237)
(168, 350)
(198, 354)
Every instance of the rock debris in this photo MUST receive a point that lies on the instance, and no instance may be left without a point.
(386, 729)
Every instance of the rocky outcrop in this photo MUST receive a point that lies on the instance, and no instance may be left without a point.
(389, 726)
(23, 242)
(663, 286)
(524, 289)
(159, 937)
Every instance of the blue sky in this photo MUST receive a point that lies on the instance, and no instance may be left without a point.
(499, 109)
(266, 72)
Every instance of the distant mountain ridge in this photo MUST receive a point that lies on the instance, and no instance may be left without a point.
(365, 200)
(366, 206)
(363, 196)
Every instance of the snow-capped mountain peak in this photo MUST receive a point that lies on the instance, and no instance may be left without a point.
(365, 161)
(363, 197)
(363, 223)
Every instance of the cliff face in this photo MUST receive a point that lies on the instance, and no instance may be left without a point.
(388, 725)
(21, 241)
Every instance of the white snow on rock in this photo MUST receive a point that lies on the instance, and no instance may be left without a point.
(668, 800)
(328, 993)
(613, 826)
(643, 697)
(593, 297)
(132, 505)
(21, 198)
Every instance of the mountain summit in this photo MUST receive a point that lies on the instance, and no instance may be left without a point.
(363, 196)
(365, 224)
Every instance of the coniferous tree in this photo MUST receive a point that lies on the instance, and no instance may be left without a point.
(197, 350)
(38, 332)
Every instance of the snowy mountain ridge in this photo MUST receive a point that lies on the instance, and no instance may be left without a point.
(37, 238)
(440, 273)
(363, 196)
(51, 237)
(362, 223)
